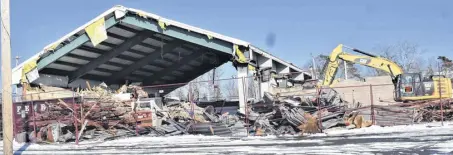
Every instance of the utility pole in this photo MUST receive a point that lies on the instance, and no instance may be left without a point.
(7, 103)
(17, 61)
(314, 67)
(15, 88)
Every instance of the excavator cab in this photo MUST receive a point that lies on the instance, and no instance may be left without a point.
(409, 85)
(414, 87)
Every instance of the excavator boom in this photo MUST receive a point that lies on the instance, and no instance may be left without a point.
(367, 60)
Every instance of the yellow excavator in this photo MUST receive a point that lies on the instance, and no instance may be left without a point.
(408, 86)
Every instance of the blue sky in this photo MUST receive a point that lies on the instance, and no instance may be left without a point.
(301, 27)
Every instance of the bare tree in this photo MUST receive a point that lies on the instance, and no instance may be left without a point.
(180, 93)
(204, 86)
(321, 62)
(407, 55)
(352, 70)
(446, 66)
(410, 57)
(215, 76)
(251, 88)
(431, 67)
(231, 88)
(211, 83)
(194, 90)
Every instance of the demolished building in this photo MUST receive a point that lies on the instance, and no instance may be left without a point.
(125, 44)
(120, 47)
(100, 82)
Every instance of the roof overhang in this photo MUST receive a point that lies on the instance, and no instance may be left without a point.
(140, 47)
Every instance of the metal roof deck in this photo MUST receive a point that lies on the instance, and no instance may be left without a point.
(135, 54)
(138, 49)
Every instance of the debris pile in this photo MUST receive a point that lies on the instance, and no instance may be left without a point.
(99, 113)
(430, 111)
(276, 115)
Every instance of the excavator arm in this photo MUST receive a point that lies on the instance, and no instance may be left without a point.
(366, 59)
(408, 86)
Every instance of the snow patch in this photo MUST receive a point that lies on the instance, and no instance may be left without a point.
(357, 141)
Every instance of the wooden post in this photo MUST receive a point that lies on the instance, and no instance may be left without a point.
(441, 104)
(318, 102)
(440, 96)
(74, 114)
(7, 102)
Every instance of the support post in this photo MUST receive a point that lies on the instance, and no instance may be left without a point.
(440, 96)
(318, 97)
(213, 86)
(74, 113)
(373, 119)
(441, 103)
(242, 73)
(192, 108)
(257, 85)
(247, 122)
(7, 102)
(245, 106)
(34, 118)
(345, 70)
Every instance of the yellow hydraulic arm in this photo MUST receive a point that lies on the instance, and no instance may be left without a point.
(366, 59)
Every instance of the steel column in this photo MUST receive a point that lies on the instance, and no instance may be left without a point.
(242, 73)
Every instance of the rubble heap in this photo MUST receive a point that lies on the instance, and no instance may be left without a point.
(104, 114)
(276, 115)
